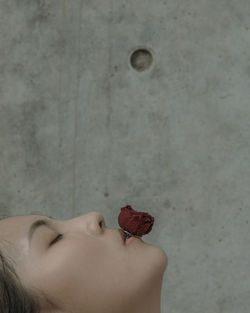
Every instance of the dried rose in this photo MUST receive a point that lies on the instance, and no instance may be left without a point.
(136, 223)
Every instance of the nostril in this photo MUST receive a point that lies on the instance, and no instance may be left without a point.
(102, 223)
(100, 220)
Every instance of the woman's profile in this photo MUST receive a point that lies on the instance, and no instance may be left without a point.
(76, 266)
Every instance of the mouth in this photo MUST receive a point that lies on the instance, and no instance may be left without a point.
(123, 235)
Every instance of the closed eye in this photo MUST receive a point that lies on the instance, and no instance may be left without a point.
(56, 239)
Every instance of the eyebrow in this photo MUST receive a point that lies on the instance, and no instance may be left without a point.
(38, 223)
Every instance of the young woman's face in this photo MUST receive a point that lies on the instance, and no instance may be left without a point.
(88, 268)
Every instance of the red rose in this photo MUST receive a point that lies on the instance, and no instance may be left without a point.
(136, 223)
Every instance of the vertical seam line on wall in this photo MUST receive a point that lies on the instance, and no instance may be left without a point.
(76, 109)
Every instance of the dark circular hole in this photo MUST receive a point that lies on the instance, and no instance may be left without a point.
(141, 59)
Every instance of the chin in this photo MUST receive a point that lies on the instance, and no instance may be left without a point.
(159, 259)
(163, 259)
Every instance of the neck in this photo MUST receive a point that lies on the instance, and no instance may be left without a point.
(149, 302)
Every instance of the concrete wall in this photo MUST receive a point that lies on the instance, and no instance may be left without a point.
(82, 130)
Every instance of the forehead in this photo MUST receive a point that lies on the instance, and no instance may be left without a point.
(13, 237)
(14, 229)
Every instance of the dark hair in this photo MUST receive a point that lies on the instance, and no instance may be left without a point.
(14, 296)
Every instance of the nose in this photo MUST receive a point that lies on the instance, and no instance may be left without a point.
(91, 223)
(95, 222)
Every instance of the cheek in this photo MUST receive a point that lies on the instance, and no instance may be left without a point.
(67, 267)
(74, 258)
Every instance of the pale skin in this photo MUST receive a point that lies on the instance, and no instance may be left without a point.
(88, 269)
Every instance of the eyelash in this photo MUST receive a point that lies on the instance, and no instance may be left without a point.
(58, 237)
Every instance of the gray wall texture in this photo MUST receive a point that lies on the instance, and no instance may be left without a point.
(83, 130)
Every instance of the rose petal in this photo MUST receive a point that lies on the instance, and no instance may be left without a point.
(134, 222)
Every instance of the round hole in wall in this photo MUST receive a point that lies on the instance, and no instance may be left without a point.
(141, 59)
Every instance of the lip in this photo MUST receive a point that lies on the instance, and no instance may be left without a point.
(123, 235)
(132, 239)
